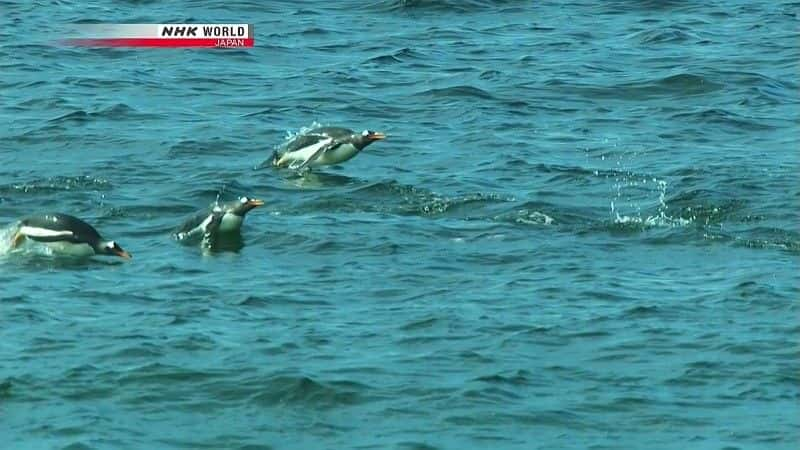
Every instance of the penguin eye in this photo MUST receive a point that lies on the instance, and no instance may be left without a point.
(111, 244)
(244, 200)
(366, 133)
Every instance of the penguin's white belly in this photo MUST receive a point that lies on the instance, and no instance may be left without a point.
(230, 223)
(303, 154)
(67, 248)
(338, 155)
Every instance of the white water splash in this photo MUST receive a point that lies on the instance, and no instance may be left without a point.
(26, 247)
(661, 219)
(6, 235)
(533, 218)
(304, 130)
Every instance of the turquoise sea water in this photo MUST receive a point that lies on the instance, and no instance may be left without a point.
(582, 231)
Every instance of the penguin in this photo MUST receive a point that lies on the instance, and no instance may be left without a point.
(226, 218)
(323, 146)
(66, 235)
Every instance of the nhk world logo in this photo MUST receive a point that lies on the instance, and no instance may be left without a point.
(210, 35)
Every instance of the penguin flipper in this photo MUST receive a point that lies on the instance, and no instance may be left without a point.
(212, 230)
(185, 236)
(312, 152)
(189, 231)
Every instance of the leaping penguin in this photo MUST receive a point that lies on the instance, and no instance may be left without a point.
(323, 146)
(224, 218)
(67, 235)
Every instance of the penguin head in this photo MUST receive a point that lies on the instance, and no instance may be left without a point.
(367, 137)
(112, 248)
(244, 205)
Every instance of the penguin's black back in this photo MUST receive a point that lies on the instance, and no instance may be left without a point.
(316, 135)
(81, 231)
(193, 221)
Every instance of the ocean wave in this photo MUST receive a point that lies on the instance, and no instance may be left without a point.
(445, 6)
(57, 184)
(664, 35)
(720, 116)
(191, 147)
(768, 238)
(464, 91)
(399, 56)
(116, 112)
(671, 86)
(298, 391)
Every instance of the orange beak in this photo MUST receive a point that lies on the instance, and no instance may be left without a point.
(255, 202)
(377, 136)
(123, 254)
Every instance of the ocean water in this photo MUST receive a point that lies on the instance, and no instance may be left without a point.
(582, 231)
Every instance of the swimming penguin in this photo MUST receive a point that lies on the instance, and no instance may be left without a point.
(224, 218)
(323, 146)
(66, 235)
